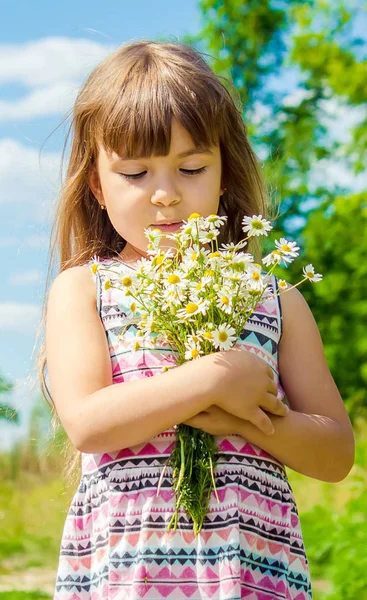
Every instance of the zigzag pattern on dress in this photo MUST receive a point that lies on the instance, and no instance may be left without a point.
(115, 543)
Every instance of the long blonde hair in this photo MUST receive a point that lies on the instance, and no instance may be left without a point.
(129, 99)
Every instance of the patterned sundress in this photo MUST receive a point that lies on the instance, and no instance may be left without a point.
(115, 544)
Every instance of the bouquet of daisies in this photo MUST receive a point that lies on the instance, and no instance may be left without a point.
(197, 300)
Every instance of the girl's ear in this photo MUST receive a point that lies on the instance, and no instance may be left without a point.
(93, 180)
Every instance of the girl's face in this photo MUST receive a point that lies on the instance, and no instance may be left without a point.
(142, 192)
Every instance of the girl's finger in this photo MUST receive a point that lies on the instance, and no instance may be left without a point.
(272, 387)
(262, 422)
(274, 405)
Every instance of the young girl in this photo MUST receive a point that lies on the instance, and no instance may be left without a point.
(156, 137)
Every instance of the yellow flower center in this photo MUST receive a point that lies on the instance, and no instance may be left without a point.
(212, 218)
(94, 268)
(194, 216)
(173, 278)
(127, 281)
(191, 308)
(257, 225)
(225, 300)
(310, 274)
(157, 260)
(194, 256)
(199, 286)
(133, 307)
(214, 255)
(208, 335)
(136, 346)
(194, 353)
(286, 248)
(255, 276)
(107, 285)
(209, 273)
(223, 337)
(195, 338)
(277, 253)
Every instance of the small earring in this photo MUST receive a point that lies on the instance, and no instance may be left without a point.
(102, 207)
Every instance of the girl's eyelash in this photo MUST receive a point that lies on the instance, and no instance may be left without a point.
(187, 171)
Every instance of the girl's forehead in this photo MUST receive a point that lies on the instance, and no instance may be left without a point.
(186, 150)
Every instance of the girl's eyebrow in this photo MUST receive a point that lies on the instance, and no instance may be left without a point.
(180, 155)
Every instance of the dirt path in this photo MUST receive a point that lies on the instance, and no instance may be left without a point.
(34, 578)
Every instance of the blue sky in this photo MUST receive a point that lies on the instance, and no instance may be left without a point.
(46, 51)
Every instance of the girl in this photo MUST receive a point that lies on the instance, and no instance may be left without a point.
(156, 137)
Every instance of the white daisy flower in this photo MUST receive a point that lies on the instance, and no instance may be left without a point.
(216, 221)
(96, 264)
(199, 286)
(192, 257)
(194, 337)
(214, 258)
(286, 247)
(254, 279)
(282, 284)
(175, 280)
(208, 236)
(225, 300)
(154, 235)
(309, 272)
(256, 225)
(233, 246)
(224, 337)
(172, 297)
(193, 350)
(195, 307)
(275, 256)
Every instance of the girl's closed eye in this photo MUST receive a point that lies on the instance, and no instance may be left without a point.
(186, 171)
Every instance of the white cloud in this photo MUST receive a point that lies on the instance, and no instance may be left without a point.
(52, 100)
(28, 179)
(49, 60)
(55, 66)
(26, 278)
(19, 318)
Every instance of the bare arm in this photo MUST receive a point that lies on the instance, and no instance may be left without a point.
(97, 415)
(313, 445)
(316, 437)
(124, 414)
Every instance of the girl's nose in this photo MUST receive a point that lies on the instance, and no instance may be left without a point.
(165, 198)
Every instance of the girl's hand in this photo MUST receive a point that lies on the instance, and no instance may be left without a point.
(216, 421)
(242, 384)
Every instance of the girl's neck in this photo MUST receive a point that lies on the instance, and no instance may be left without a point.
(130, 256)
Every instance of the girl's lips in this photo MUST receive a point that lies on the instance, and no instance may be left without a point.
(171, 227)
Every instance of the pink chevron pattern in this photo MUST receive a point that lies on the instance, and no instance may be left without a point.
(115, 544)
